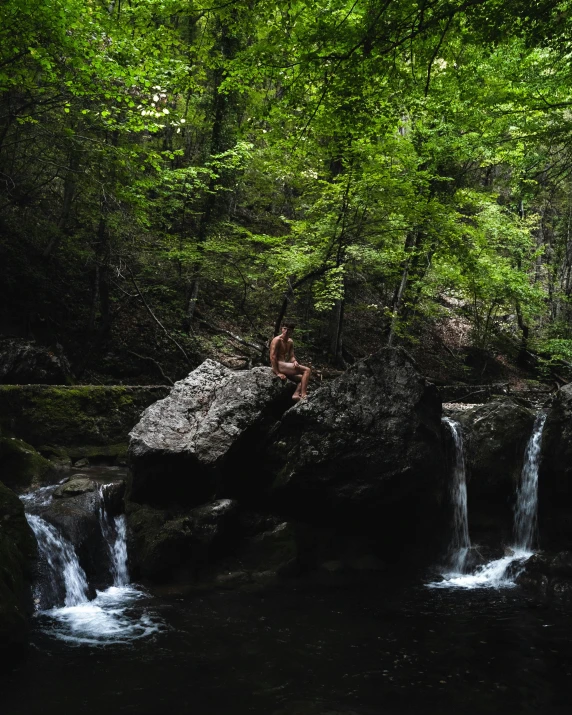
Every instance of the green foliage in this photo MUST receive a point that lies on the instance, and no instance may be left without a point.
(385, 153)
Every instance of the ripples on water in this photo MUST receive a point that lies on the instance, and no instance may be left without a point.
(375, 649)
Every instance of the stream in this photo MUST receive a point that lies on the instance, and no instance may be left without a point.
(455, 640)
(315, 649)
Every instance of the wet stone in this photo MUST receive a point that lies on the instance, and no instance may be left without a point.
(78, 484)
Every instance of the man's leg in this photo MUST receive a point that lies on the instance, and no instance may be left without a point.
(300, 373)
(293, 374)
(297, 392)
(306, 371)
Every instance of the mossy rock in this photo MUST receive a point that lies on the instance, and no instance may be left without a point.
(21, 466)
(116, 453)
(76, 417)
(78, 484)
(17, 550)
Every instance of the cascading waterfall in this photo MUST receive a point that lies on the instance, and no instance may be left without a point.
(461, 542)
(502, 572)
(115, 535)
(61, 560)
(113, 616)
(526, 508)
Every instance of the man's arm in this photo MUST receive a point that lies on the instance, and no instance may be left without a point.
(292, 357)
(274, 358)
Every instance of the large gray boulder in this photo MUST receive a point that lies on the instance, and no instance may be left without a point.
(362, 445)
(209, 427)
(23, 362)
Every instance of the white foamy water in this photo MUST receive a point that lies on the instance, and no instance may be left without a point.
(61, 559)
(499, 573)
(502, 573)
(110, 618)
(40, 497)
(115, 615)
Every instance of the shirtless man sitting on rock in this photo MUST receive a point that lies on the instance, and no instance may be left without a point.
(284, 363)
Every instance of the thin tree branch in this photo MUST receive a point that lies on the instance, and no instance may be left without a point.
(152, 314)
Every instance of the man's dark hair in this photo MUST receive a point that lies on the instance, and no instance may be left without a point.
(289, 324)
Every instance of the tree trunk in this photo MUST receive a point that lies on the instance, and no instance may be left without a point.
(336, 326)
(410, 243)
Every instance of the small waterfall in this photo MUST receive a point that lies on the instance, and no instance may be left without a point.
(62, 562)
(461, 542)
(526, 508)
(114, 615)
(503, 572)
(115, 536)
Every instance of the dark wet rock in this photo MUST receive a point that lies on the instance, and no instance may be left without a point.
(83, 462)
(166, 547)
(17, 550)
(113, 494)
(75, 485)
(555, 476)
(59, 459)
(272, 551)
(537, 582)
(561, 564)
(557, 443)
(364, 448)
(538, 563)
(23, 362)
(549, 573)
(208, 429)
(77, 517)
(495, 436)
(21, 466)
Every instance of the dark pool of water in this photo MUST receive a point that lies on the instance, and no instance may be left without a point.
(309, 649)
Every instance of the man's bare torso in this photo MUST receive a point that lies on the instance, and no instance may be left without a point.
(284, 349)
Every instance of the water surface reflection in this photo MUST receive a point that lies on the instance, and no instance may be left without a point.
(318, 650)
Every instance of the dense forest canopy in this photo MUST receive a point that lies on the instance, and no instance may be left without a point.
(178, 176)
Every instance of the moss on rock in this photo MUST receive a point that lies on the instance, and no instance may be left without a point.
(76, 417)
(21, 466)
(17, 549)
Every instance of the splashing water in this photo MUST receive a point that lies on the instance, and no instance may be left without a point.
(526, 509)
(461, 542)
(115, 535)
(110, 618)
(501, 573)
(61, 559)
(115, 615)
